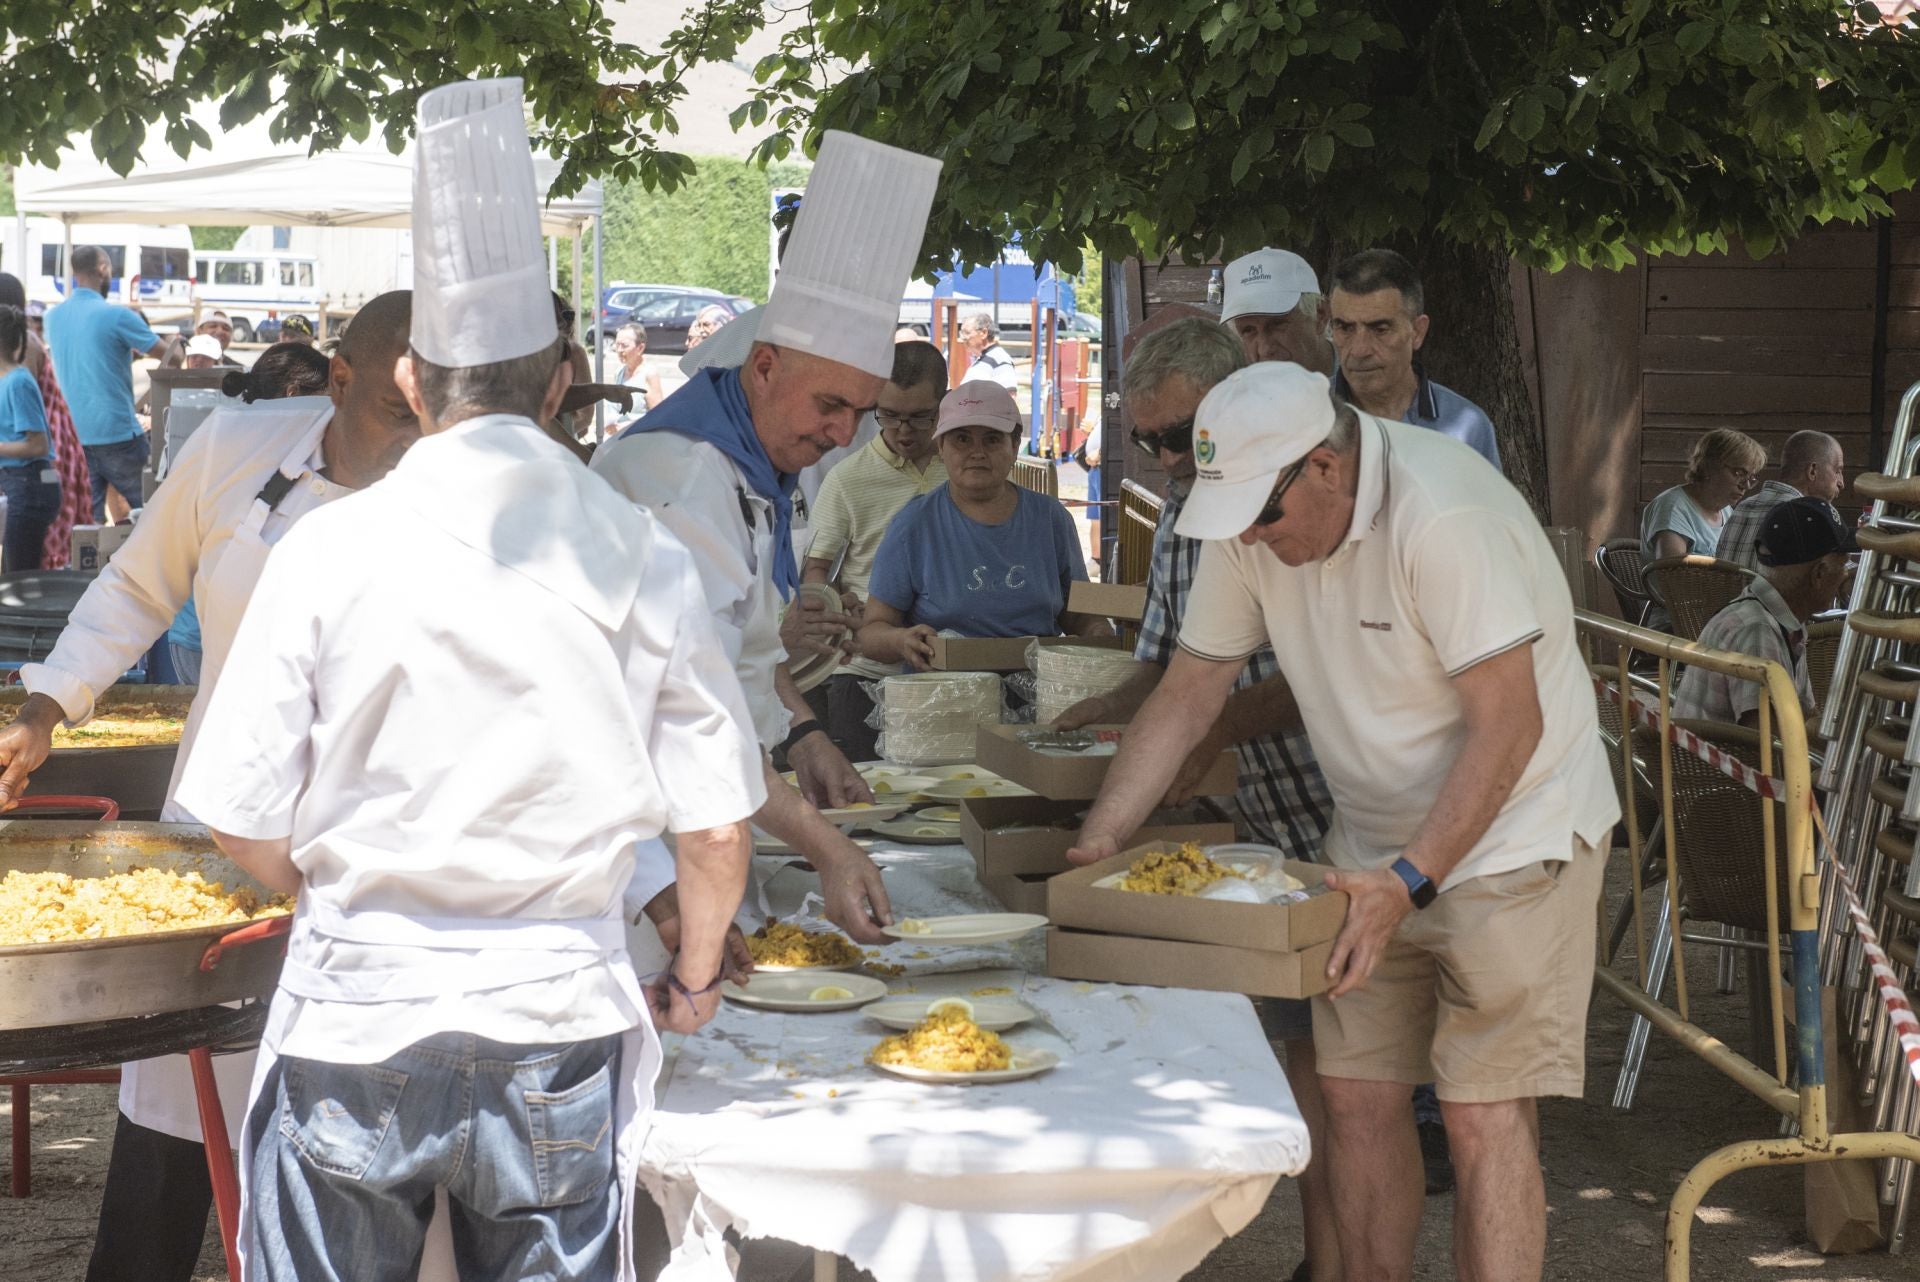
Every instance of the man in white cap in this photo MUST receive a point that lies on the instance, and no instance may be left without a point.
(1426, 632)
(716, 462)
(237, 486)
(1274, 307)
(457, 1009)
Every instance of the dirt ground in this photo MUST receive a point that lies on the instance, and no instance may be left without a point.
(1609, 1175)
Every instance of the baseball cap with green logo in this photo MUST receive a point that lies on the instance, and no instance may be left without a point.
(1253, 425)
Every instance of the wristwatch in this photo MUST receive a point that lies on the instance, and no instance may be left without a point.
(1419, 885)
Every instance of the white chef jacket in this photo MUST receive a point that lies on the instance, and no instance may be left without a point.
(179, 551)
(466, 692)
(204, 537)
(698, 493)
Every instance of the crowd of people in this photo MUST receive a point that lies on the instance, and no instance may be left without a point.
(1344, 590)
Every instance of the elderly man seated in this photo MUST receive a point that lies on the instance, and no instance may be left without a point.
(1803, 562)
(1812, 464)
(977, 556)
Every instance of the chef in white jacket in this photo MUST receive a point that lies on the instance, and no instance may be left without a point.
(717, 462)
(239, 483)
(458, 703)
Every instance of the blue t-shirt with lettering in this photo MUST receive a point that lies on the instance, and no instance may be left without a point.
(940, 567)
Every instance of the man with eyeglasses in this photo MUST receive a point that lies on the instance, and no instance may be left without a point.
(1425, 630)
(857, 502)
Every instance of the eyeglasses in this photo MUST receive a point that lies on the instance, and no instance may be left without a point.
(913, 422)
(1271, 512)
(1175, 438)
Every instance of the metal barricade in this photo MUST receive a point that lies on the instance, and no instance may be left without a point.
(1139, 514)
(1696, 768)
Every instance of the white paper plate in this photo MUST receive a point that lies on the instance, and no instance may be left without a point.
(881, 769)
(788, 991)
(1025, 1064)
(991, 1013)
(917, 832)
(863, 814)
(891, 788)
(964, 770)
(962, 789)
(939, 814)
(969, 928)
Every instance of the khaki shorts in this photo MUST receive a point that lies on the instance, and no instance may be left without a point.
(1483, 992)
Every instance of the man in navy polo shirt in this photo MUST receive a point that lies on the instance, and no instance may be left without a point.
(94, 343)
(1378, 319)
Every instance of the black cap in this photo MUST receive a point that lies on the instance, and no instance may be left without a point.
(296, 325)
(1802, 530)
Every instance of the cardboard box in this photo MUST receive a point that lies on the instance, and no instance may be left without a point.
(1044, 850)
(1163, 963)
(1001, 654)
(92, 546)
(1125, 602)
(1076, 778)
(1073, 900)
(1020, 894)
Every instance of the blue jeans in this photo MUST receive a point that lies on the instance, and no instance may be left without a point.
(32, 503)
(346, 1158)
(118, 465)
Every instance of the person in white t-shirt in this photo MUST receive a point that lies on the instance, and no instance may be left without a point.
(991, 362)
(1425, 631)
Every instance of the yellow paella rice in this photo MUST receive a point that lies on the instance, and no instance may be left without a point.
(1186, 871)
(944, 1042)
(120, 725)
(784, 944)
(57, 908)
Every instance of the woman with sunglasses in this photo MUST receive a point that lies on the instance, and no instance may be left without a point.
(979, 556)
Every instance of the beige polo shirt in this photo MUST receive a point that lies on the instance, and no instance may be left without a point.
(1443, 567)
(857, 501)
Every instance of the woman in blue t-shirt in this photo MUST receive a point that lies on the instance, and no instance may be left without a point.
(979, 556)
(27, 476)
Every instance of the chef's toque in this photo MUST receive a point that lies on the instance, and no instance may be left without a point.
(851, 253)
(479, 279)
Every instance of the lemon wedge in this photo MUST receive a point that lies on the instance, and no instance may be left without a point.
(960, 1004)
(914, 926)
(976, 792)
(830, 993)
(881, 785)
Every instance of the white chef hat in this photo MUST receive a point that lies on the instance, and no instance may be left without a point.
(479, 279)
(852, 250)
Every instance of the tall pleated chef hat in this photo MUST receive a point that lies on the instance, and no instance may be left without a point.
(479, 279)
(851, 252)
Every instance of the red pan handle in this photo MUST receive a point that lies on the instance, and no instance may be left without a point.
(251, 933)
(109, 808)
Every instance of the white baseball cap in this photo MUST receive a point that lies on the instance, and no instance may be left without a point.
(204, 345)
(1252, 426)
(1267, 282)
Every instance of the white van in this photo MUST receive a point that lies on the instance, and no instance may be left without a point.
(152, 265)
(253, 286)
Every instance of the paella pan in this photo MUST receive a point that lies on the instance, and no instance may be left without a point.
(126, 752)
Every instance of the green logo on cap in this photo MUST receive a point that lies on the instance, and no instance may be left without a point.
(1203, 447)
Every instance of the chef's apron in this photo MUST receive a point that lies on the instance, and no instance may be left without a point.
(516, 951)
(158, 1093)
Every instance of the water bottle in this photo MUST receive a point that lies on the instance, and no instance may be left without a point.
(1216, 289)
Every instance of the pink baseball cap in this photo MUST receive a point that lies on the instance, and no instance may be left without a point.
(978, 404)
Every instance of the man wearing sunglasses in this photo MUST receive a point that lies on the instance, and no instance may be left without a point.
(1426, 632)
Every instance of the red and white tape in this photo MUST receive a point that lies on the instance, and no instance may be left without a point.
(1906, 1027)
(1647, 712)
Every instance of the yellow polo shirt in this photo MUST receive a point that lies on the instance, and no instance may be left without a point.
(857, 501)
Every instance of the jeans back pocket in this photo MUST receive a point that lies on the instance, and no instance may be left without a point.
(338, 1114)
(572, 1137)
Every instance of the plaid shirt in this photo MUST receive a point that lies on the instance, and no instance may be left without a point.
(1282, 793)
(1740, 537)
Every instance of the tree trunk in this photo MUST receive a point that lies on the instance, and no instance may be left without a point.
(1473, 347)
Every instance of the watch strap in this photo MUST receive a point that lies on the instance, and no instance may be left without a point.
(1420, 887)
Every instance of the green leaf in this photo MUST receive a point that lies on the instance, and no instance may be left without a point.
(1144, 131)
(1490, 126)
(1318, 153)
(1529, 114)
(1744, 44)
(1694, 37)
(1178, 115)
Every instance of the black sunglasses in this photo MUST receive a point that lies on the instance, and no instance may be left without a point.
(1271, 512)
(1176, 438)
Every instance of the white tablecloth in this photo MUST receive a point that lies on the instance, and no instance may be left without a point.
(1162, 1132)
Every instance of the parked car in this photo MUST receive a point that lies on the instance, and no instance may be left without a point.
(660, 309)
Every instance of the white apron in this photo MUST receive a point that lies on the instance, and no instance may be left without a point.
(158, 1093)
(517, 951)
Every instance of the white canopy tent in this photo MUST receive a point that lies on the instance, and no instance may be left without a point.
(247, 181)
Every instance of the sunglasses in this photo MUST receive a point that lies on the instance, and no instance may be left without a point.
(1272, 512)
(1175, 438)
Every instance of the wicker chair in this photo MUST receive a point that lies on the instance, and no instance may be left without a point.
(1621, 565)
(1694, 589)
(1139, 514)
(1646, 803)
(1037, 475)
(1823, 651)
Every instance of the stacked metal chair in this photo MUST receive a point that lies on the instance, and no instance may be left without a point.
(1872, 795)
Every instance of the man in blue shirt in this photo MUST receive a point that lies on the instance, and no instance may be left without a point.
(1377, 315)
(94, 343)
